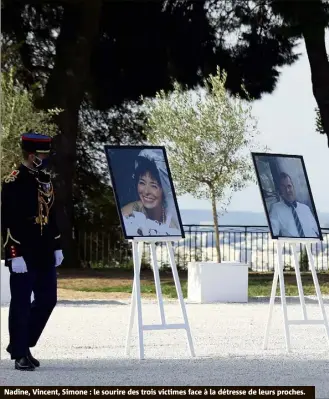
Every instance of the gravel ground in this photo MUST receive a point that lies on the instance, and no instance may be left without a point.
(84, 342)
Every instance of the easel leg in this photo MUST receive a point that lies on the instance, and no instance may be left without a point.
(180, 296)
(317, 288)
(139, 250)
(283, 295)
(299, 281)
(157, 283)
(273, 292)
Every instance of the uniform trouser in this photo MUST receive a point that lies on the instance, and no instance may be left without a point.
(27, 320)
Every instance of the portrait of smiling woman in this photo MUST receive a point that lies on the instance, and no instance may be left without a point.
(149, 190)
(144, 192)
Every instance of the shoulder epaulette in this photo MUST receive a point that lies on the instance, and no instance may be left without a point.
(12, 177)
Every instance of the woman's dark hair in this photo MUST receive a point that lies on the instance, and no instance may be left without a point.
(146, 165)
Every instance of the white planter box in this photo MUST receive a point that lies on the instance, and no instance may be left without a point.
(5, 285)
(217, 282)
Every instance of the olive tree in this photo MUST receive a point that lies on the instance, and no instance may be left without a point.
(208, 135)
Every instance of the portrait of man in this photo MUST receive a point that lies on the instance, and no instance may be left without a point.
(144, 191)
(287, 196)
(290, 218)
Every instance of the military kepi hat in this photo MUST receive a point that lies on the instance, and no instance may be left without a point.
(36, 143)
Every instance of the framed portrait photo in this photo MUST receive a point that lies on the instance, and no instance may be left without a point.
(286, 196)
(144, 191)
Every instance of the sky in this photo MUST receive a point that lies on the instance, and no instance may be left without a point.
(286, 120)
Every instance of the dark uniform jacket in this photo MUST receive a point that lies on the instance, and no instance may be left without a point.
(28, 221)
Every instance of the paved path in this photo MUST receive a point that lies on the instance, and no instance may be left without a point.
(83, 344)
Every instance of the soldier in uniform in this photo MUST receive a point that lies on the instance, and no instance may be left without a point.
(32, 248)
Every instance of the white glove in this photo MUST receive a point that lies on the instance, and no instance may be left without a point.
(58, 257)
(18, 265)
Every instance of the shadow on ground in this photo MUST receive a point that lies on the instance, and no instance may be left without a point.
(254, 300)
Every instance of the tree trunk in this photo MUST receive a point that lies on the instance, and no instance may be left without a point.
(215, 217)
(314, 35)
(65, 89)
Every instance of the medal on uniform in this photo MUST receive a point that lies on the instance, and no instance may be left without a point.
(46, 187)
(45, 201)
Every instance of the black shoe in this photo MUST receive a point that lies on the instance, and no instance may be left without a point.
(24, 364)
(33, 360)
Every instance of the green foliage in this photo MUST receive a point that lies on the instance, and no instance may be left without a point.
(208, 135)
(259, 284)
(94, 204)
(18, 115)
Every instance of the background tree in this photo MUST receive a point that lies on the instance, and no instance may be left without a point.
(269, 31)
(94, 205)
(303, 261)
(113, 52)
(208, 135)
(19, 115)
(309, 20)
(120, 125)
